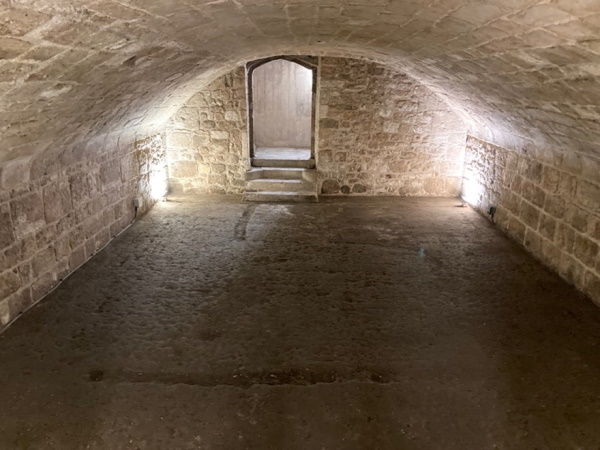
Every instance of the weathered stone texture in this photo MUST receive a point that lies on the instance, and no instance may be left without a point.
(516, 70)
(381, 133)
(52, 224)
(207, 139)
(553, 210)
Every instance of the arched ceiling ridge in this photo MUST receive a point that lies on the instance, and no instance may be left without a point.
(521, 71)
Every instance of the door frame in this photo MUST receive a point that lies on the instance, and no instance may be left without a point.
(308, 62)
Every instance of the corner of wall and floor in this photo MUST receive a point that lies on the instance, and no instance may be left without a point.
(59, 209)
(550, 208)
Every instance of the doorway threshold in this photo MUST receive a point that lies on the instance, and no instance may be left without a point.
(294, 154)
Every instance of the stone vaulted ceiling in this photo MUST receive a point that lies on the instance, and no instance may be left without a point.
(519, 71)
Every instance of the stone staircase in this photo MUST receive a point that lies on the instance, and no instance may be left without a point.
(281, 181)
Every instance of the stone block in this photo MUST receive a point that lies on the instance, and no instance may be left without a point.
(27, 214)
(77, 236)
(5, 317)
(90, 248)
(46, 236)
(19, 302)
(183, 169)
(586, 250)
(7, 235)
(179, 140)
(218, 169)
(434, 186)
(43, 261)
(565, 237)
(26, 273)
(18, 22)
(592, 286)
(15, 173)
(595, 229)
(57, 201)
(330, 187)
(512, 203)
(502, 218)
(219, 135)
(329, 123)
(43, 53)
(80, 188)
(567, 185)
(110, 174)
(588, 195)
(359, 189)
(533, 194)
(576, 217)
(12, 47)
(551, 254)
(62, 248)
(533, 171)
(61, 270)
(530, 215)
(516, 229)
(533, 242)
(547, 227)
(550, 179)
(43, 285)
(10, 282)
(77, 258)
(555, 206)
(571, 269)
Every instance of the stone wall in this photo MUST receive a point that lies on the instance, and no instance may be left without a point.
(207, 139)
(381, 133)
(52, 221)
(552, 209)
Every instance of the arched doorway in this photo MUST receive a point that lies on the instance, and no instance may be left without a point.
(282, 111)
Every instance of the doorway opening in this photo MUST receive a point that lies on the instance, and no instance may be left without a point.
(282, 111)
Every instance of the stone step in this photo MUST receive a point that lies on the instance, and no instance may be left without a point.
(284, 163)
(275, 185)
(281, 196)
(276, 173)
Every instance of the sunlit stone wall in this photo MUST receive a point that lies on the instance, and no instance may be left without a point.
(379, 133)
(207, 139)
(382, 133)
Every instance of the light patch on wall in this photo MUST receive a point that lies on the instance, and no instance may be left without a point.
(158, 182)
(472, 192)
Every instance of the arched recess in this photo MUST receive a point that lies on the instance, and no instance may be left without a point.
(308, 62)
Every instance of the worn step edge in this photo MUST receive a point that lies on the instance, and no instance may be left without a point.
(279, 173)
(281, 196)
(284, 163)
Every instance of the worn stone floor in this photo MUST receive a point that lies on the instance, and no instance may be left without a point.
(369, 323)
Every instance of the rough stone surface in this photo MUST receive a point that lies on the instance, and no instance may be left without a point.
(381, 133)
(552, 210)
(53, 223)
(207, 139)
(520, 71)
(353, 323)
